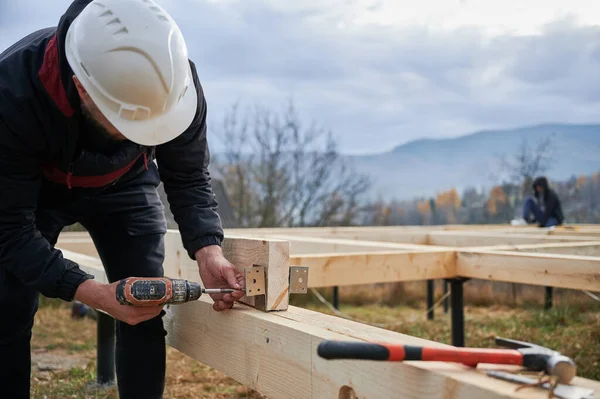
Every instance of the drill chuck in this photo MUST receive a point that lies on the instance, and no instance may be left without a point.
(155, 291)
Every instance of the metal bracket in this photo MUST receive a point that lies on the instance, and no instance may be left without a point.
(255, 280)
(562, 391)
(298, 279)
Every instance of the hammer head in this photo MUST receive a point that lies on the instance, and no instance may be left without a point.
(539, 358)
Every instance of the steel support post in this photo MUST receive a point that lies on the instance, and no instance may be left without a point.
(336, 297)
(105, 349)
(430, 292)
(548, 298)
(458, 311)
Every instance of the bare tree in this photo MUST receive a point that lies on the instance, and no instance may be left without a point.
(235, 168)
(282, 173)
(528, 162)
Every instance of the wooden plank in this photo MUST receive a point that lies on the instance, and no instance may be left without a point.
(301, 245)
(82, 244)
(554, 270)
(275, 354)
(473, 239)
(561, 231)
(385, 234)
(585, 248)
(327, 270)
(509, 263)
(89, 264)
(577, 233)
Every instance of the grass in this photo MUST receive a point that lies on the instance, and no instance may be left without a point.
(573, 327)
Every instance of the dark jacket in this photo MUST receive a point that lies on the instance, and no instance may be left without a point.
(42, 134)
(552, 205)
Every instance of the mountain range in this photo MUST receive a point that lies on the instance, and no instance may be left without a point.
(427, 166)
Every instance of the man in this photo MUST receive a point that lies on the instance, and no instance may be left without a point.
(546, 209)
(85, 109)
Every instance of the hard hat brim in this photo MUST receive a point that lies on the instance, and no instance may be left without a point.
(158, 130)
(155, 130)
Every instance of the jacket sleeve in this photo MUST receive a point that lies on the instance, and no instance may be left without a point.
(24, 252)
(183, 167)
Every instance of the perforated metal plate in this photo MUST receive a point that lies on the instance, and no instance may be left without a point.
(255, 280)
(298, 279)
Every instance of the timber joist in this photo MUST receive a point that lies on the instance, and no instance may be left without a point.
(270, 346)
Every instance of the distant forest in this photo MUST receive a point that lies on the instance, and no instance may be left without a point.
(579, 197)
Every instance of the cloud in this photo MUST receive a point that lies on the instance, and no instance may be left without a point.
(379, 84)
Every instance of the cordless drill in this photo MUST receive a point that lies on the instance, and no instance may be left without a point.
(155, 291)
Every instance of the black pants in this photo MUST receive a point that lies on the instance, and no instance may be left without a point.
(127, 225)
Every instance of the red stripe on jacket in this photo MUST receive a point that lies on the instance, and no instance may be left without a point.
(49, 75)
(56, 175)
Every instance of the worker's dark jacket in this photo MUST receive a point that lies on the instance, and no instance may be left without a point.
(43, 138)
(552, 205)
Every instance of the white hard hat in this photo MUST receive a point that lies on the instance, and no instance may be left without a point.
(132, 59)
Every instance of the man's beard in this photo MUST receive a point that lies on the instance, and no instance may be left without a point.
(97, 135)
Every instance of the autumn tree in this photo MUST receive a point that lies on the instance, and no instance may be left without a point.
(281, 172)
(425, 211)
(447, 204)
(379, 213)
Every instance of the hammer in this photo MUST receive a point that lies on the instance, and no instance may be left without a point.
(530, 356)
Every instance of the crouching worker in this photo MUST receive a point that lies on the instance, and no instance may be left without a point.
(544, 208)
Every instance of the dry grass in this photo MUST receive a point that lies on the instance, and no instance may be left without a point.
(68, 347)
(572, 327)
(476, 293)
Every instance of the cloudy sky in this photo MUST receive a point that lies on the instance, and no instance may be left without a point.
(380, 73)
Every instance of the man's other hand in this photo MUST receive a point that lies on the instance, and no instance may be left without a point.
(218, 272)
(103, 297)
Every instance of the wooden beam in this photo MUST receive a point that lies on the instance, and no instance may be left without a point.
(543, 264)
(327, 270)
(275, 354)
(552, 270)
(385, 234)
(301, 245)
(560, 231)
(585, 248)
(473, 239)
(82, 244)
(89, 264)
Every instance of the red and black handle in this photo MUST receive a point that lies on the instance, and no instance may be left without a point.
(398, 353)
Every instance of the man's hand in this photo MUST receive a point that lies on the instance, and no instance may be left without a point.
(104, 297)
(218, 272)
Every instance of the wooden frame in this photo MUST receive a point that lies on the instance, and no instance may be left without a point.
(271, 346)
